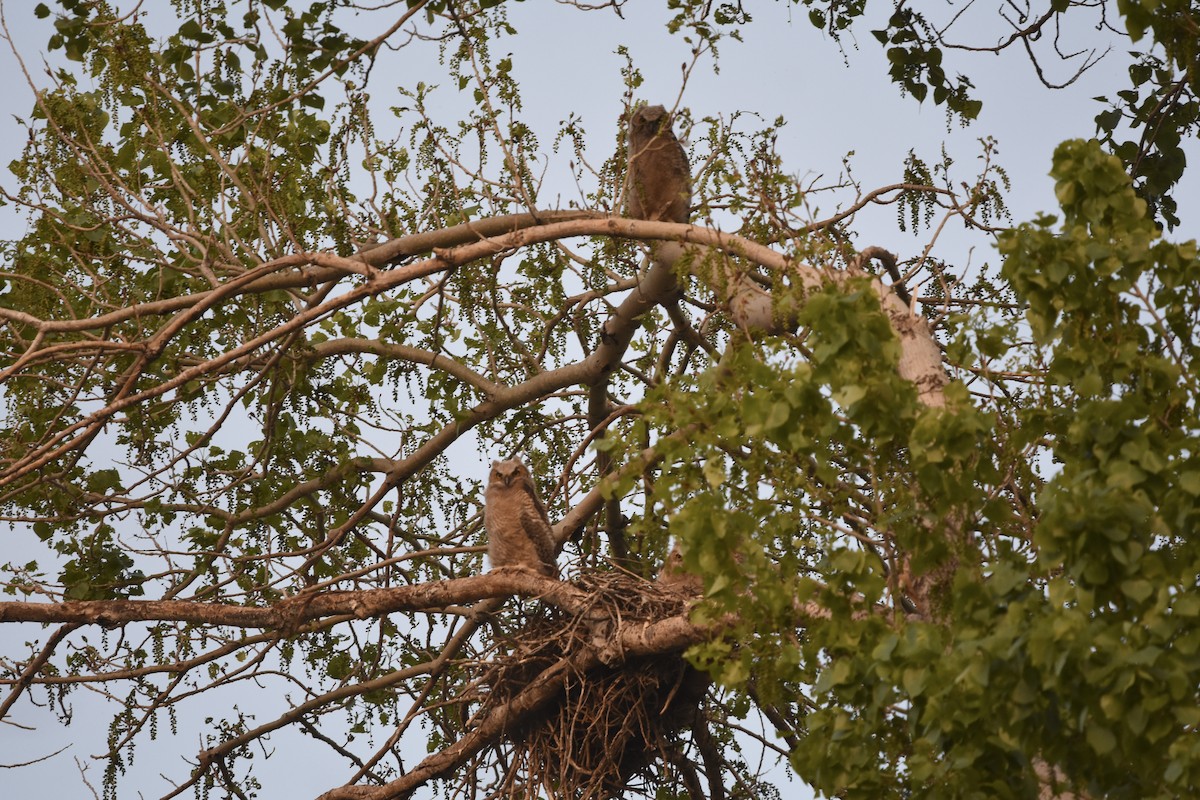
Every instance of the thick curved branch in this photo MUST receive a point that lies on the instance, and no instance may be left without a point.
(401, 352)
(304, 270)
(488, 228)
(290, 614)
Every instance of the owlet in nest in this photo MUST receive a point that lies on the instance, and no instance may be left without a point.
(659, 181)
(519, 532)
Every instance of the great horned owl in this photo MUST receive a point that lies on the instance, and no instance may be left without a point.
(659, 181)
(519, 532)
(674, 577)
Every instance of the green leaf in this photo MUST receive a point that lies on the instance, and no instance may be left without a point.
(1101, 739)
(714, 471)
(914, 681)
(1139, 590)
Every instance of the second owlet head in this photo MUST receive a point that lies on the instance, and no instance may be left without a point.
(674, 577)
(659, 181)
(518, 528)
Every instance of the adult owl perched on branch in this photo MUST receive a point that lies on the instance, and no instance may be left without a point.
(659, 180)
(518, 528)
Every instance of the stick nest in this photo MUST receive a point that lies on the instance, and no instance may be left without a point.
(608, 724)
